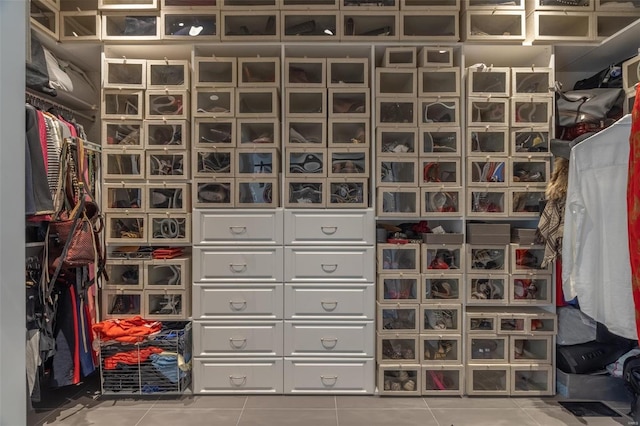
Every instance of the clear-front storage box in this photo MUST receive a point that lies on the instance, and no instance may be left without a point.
(305, 192)
(441, 319)
(487, 259)
(122, 104)
(124, 73)
(369, 26)
(123, 134)
(399, 288)
(488, 380)
(528, 259)
(396, 112)
(127, 229)
(487, 202)
(489, 81)
(167, 134)
(398, 348)
(167, 104)
(305, 72)
(396, 171)
(168, 274)
(488, 171)
(170, 228)
(258, 72)
(168, 197)
(348, 132)
(347, 72)
(442, 258)
(487, 349)
(399, 318)
(396, 258)
(443, 201)
(436, 111)
(399, 379)
(167, 165)
(528, 289)
(168, 74)
(122, 304)
(123, 164)
(215, 71)
(213, 102)
(123, 197)
(400, 202)
(348, 162)
(532, 379)
(527, 349)
(444, 349)
(439, 81)
(530, 142)
(257, 192)
(441, 141)
(217, 162)
(442, 380)
(193, 25)
(258, 161)
(488, 141)
(487, 289)
(439, 172)
(306, 133)
(398, 82)
(347, 193)
(167, 304)
(481, 322)
(488, 111)
(430, 25)
(213, 193)
(212, 133)
(441, 288)
(131, 26)
(124, 274)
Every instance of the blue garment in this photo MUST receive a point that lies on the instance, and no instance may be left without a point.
(168, 366)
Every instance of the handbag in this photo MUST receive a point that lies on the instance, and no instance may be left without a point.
(73, 236)
(591, 110)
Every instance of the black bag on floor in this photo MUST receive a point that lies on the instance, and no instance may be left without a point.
(631, 376)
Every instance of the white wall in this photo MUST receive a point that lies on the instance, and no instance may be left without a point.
(13, 400)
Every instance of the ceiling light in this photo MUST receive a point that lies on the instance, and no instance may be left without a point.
(181, 24)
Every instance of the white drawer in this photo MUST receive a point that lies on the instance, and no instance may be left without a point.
(322, 227)
(355, 376)
(321, 339)
(237, 301)
(330, 264)
(244, 264)
(234, 375)
(237, 226)
(336, 301)
(250, 338)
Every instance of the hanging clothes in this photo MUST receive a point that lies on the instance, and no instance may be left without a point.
(38, 195)
(633, 204)
(595, 252)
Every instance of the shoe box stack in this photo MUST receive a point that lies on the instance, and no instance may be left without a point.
(419, 349)
(236, 108)
(418, 133)
(509, 119)
(146, 194)
(327, 132)
(577, 20)
(493, 21)
(418, 157)
(509, 336)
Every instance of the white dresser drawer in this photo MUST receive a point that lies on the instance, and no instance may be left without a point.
(330, 264)
(237, 226)
(237, 301)
(244, 264)
(355, 227)
(316, 375)
(352, 301)
(321, 339)
(234, 375)
(249, 338)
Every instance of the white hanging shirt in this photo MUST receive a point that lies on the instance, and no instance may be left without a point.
(595, 252)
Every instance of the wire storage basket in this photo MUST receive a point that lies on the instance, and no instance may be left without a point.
(157, 363)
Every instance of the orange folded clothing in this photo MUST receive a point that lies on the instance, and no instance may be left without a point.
(130, 357)
(130, 330)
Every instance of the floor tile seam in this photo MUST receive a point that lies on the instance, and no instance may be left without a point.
(144, 415)
(531, 417)
(335, 403)
(244, 404)
(431, 411)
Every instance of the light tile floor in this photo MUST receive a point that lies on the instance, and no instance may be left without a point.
(85, 408)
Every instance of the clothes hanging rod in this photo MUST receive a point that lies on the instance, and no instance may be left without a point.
(89, 146)
(34, 96)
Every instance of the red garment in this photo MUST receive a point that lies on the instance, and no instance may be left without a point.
(633, 204)
(130, 330)
(131, 357)
(76, 340)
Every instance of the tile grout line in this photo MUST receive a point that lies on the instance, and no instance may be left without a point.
(335, 403)
(246, 398)
(147, 412)
(530, 416)
(430, 410)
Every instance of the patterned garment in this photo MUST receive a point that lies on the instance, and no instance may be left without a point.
(633, 204)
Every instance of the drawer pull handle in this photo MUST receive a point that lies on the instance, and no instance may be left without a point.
(238, 229)
(238, 267)
(332, 380)
(238, 380)
(238, 305)
(329, 230)
(329, 267)
(237, 339)
(329, 305)
(329, 342)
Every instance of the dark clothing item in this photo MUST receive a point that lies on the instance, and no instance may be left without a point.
(40, 194)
